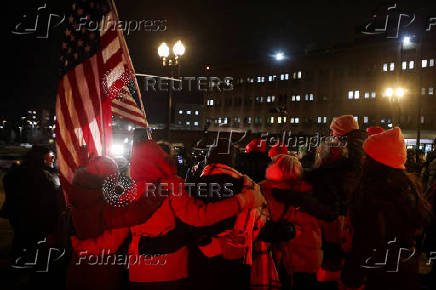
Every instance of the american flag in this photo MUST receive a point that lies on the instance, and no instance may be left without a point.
(95, 66)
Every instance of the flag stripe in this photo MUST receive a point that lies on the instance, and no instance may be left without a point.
(89, 114)
(66, 126)
(125, 109)
(122, 114)
(79, 107)
(93, 91)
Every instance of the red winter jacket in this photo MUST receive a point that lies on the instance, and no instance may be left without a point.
(92, 215)
(151, 165)
(303, 253)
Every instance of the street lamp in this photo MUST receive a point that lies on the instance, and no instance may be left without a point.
(398, 92)
(279, 56)
(171, 62)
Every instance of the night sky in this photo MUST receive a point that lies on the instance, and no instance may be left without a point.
(214, 32)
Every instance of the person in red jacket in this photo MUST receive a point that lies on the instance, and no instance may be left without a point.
(159, 246)
(301, 256)
(99, 227)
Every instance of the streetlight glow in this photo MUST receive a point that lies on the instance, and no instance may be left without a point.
(163, 50)
(389, 92)
(279, 56)
(179, 48)
(400, 92)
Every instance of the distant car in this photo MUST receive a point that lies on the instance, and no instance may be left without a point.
(7, 161)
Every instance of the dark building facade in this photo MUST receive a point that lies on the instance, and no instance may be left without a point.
(384, 83)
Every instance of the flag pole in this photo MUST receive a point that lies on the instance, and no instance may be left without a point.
(129, 61)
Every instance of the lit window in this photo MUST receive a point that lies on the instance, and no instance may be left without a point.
(279, 120)
(392, 66)
(299, 74)
(422, 91)
(319, 119)
(282, 77)
(292, 120)
(430, 91)
(272, 120)
(385, 67)
(366, 95)
(180, 112)
(365, 119)
(219, 120)
(268, 99)
(297, 120)
(324, 119)
(356, 94)
(273, 98)
(286, 76)
(411, 64)
(188, 123)
(350, 95)
(225, 120)
(311, 97)
(306, 97)
(210, 102)
(382, 121)
(404, 65)
(298, 98)
(293, 98)
(373, 95)
(424, 63)
(196, 113)
(356, 119)
(284, 119)
(195, 123)
(422, 119)
(431, 62)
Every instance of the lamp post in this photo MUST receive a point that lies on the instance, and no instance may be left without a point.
(395, 95)
(172, 63)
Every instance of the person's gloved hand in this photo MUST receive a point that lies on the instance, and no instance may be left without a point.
(251, 195)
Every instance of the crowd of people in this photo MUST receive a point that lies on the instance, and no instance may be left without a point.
(352, 217)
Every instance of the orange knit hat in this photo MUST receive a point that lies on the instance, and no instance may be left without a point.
(374, 130)
(258, 144)
(343, 125)
(387, 148)
(278, 148)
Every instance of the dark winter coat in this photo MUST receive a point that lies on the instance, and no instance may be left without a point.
(253, 164)
(386, 210)
(33, 201)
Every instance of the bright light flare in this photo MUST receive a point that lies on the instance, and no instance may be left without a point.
(389, 92)
(279, 56)
(163, 50)
(117, 150)
(400, 92)
(179, 48)
(406, 40)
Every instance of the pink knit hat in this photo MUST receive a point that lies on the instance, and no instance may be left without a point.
(343, 125)
(387, 148)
